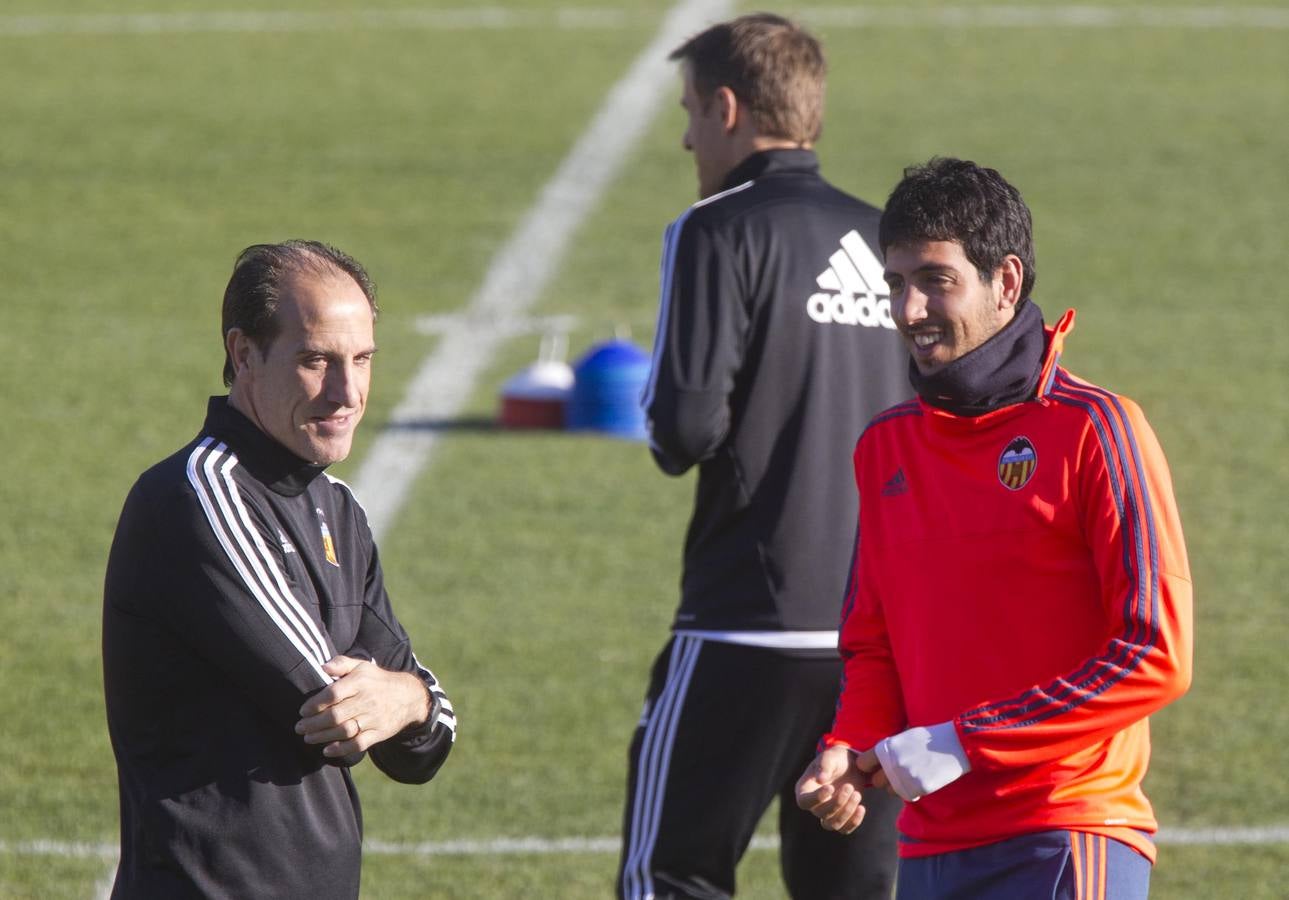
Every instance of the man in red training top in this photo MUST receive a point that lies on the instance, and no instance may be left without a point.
(1020, 600)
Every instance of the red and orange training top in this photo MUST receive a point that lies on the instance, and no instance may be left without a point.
(1023, 575)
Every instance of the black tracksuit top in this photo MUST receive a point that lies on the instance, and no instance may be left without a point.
(775, 346)
(237, 570)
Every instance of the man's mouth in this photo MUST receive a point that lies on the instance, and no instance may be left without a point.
(925, 339)
(333, 422)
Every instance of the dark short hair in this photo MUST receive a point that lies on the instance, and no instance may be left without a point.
(771, 64)
(263, 272)
(956, 200)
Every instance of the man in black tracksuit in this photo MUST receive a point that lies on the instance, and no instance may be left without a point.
(250, 652)
(775, 345)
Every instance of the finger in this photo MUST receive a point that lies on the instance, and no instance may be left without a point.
(326, 698)
(340, 666)
(339, 690)
(817, 801)
(353, 745)
(856, 819)
(867, 761)
(324, 729)
(809, 782)
(842, 810)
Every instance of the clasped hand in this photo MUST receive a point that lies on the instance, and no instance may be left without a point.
(830, 788)
(363, 706)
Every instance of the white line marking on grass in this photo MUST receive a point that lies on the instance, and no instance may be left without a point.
(69, 849)
(522, 267)
(1067, 16)
(103, 890)
(464, 19)
(521, 846)
(1271, 834)
(1209, 837)
(564, 18)
(513, 325)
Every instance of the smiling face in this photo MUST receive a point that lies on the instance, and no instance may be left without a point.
(309, 390)
(941, 306)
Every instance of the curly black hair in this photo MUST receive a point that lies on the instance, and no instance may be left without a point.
(956, 200)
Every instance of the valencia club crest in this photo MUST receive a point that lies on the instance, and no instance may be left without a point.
(1017, 464)
(328, 545)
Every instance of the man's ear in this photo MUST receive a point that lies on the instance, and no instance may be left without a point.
(240, 350)
(1011, 274)
(728, 106)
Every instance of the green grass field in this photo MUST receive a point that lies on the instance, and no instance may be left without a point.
(537, 572)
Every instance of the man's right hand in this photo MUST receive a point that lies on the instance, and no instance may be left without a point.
(829, 790)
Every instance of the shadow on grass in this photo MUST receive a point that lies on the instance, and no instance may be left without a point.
(464, 424)
(487, 425)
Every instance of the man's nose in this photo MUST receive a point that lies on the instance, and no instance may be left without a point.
(908, 306)
(342, 385)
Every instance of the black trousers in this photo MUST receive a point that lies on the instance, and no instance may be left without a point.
(727, 728)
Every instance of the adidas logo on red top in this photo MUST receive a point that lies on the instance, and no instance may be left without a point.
(853, 289)
(896, 484)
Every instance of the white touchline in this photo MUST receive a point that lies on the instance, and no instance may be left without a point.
(1055, 16)
(565, 18)
(103, 890)
(544, 846)
(482, 18)
(1269, 834)
(522, 267)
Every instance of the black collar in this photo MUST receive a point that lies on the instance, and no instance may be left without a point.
(1001, 371)
(280, 470)
(772, 162)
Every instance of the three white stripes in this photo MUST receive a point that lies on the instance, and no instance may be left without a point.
(226, 512)
(855, 269)
(447, 715)
(245, 548)
(651, 769)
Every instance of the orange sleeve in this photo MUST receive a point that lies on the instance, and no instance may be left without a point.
(1132, 528)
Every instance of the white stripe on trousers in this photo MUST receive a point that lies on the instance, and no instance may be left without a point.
(651, 769)
(249, 555)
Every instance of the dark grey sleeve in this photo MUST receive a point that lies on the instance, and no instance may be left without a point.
(698, 348)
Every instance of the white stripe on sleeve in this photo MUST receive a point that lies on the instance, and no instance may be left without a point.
(230, 522)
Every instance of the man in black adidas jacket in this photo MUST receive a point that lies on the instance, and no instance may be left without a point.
(775, 345)
(250, 653)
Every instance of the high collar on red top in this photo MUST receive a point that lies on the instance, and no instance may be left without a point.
(1016, 365)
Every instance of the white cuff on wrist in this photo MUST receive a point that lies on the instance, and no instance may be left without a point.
(921, 760)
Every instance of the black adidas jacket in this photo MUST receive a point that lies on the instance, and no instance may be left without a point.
(775, 346)
(237, 571)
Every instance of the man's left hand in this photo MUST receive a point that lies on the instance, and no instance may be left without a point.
(363, 706)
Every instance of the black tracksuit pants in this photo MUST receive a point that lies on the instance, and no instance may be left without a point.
(726, 728)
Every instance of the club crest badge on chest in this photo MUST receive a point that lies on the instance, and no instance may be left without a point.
(328, 545)
(1017, 464)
